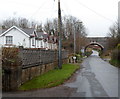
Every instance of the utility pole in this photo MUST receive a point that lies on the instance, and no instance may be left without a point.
(119, 18)
(59, 34)
(75, 39)
(74, 43)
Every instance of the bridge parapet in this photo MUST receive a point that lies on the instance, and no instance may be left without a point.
(100, 41)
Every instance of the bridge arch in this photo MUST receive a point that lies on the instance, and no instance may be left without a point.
(94, 43)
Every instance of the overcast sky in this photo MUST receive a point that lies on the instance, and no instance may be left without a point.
(97, 15)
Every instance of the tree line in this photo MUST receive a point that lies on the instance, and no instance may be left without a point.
(114, 44)
(114, 36)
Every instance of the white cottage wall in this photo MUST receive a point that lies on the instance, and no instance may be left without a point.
(19, 39)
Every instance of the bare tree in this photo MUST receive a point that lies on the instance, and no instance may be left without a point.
(73, 25)
(20, 22)
(9, 22)
(23, 23)
(48, 26)
(39, 27)
(51, 27)
(114, 36)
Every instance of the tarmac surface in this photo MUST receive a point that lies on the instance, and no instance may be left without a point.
(97, 78)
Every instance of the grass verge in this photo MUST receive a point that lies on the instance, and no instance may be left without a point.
(51, 78)
(115, 63)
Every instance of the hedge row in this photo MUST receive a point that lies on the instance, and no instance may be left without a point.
(115, 58)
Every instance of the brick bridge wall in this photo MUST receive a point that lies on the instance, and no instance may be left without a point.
(101, 40)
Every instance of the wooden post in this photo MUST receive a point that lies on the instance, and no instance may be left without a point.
(59, 34)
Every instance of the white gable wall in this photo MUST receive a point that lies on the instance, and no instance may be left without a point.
(19, 39)
(1, 41)
(22, 39)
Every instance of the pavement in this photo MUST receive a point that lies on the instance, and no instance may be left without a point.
(96, 78)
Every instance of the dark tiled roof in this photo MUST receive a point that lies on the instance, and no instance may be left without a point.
(40, 34)
(28, 30)
(45, 36)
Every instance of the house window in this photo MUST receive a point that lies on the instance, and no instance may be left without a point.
(33, 42)
(9, 39)
(37, 43)
(41, 44)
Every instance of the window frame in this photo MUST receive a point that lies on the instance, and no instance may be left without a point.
(9, 40)
(33, 42)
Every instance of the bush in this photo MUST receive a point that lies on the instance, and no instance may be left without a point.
(115, 58)
(116, 54)
(78, 57)
(88, 53)
(118, 46)
(10, 57)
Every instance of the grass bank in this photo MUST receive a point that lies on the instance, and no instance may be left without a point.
(115, 57)
(51, 78)
(115, 62)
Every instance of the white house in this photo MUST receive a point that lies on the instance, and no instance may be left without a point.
(28, 38)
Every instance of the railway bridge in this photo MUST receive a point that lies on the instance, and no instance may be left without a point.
(102, 42)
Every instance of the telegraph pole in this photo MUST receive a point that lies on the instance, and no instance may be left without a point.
(74, 43)
(119, 18)
(59, 34)
(74, 57)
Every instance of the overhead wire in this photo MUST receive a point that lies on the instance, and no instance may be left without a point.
(40, 7)
(53, 9)
(65, 5)
(67, 12)
(94, 11)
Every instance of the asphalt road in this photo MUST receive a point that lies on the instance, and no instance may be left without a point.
(96, 78)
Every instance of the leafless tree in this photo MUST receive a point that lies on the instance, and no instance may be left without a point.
(73, 25)
(39, 27)
(114, 36)
(23, 23)
(20, 22)
(9, 22)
